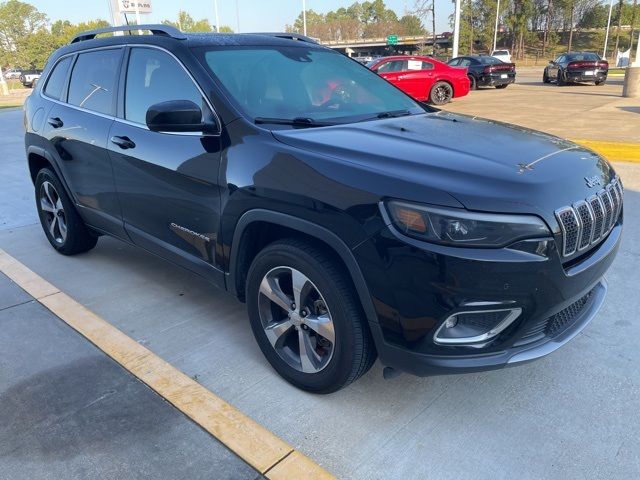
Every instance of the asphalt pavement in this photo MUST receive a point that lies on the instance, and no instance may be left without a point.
(571, 415)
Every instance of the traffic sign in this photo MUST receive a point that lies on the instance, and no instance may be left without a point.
(392, 39)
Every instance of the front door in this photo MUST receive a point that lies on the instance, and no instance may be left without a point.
(167, 182)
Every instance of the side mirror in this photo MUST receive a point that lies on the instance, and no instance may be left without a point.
(177, 116)
(551, 62)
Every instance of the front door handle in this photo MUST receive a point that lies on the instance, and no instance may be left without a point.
(123, 142)
(55, 122)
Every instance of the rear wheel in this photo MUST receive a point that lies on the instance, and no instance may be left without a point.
(502, 86)
(545, 77)
(441, 93)
(599, 82)
(561, 80)
(306, 317)
(60, 221)
(472, 82)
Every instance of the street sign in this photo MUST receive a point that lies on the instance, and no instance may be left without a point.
(129, 6)
(392, 39)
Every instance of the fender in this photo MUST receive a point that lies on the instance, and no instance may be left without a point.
(308, 228)
(54, 164)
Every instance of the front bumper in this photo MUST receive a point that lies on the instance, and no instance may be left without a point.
(420, 288)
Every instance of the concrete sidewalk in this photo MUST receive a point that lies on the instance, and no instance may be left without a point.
(67, 411)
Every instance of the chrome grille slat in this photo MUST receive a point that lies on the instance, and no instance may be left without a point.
(587, 221)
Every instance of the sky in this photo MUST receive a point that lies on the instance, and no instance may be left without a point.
(254, 15)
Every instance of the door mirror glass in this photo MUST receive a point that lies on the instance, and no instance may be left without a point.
(175, 116)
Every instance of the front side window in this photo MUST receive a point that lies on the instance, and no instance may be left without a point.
(154, 76)
(302, 82)
(55, 84)
(93, 80)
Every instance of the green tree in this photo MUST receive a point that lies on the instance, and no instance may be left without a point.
(186, 23)
(18, 21)
(225, 29)
(411, 25)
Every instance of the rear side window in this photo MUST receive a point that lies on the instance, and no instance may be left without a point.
(154, 76)
(55, 84)
(393, 66)
(93, 80)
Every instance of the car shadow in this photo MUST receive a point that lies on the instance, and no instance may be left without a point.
(630, 109)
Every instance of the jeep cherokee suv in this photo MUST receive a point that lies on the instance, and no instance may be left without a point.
(354, 222)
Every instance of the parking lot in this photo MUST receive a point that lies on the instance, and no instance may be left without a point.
(570, 415)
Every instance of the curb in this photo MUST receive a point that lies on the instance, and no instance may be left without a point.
(613, 151)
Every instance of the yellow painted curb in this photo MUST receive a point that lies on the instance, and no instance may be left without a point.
(256, 445)
(614, 151)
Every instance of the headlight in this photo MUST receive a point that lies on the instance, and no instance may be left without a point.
(461, 228)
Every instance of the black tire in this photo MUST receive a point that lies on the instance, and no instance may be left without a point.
(77, 237)
(545, 77)
(441, 93)
(472, 82)
(561, 80)
(353, 351)
(500, 87)
(600, 82)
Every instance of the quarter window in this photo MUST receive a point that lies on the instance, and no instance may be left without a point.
(93, 80)
(55, 84)
(154, 76)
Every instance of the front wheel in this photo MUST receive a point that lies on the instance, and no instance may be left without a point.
(441, 93)
(60, 221)
(306, 317)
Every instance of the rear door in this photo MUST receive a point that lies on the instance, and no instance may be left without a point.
(77, 130)
(167, 182)
(419, 78)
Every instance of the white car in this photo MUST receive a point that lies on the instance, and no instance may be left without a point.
(12, 74)
(503, 55)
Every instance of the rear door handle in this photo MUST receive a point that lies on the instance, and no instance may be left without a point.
(123, 142)
(55, 122)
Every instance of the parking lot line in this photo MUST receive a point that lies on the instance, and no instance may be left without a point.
(256, 445)
(614, 151)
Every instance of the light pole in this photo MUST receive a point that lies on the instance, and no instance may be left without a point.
(137, 6)
(237, 18)
(456, 30)
(215, 6)
(606, 35)
(304, 17)
(495, 31)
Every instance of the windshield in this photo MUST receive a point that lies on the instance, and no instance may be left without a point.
(489, 60)
(501, 52)
(314, 84)
(590, 57)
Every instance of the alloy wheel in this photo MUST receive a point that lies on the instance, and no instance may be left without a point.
(296, 319)
(53, 212)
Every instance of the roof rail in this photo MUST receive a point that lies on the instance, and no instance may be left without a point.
(290, 36)
(164, 30)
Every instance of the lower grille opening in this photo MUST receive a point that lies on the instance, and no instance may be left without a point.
(556, 324)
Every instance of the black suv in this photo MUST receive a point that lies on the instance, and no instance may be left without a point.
(354, 222)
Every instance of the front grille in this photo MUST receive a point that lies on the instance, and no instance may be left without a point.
(585, 222)
(556, 324)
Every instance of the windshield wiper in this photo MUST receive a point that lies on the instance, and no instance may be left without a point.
(297, 121)
(393, 114)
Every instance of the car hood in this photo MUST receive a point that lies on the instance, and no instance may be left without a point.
(485, 165)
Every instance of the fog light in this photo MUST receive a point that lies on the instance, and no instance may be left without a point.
(472, 327)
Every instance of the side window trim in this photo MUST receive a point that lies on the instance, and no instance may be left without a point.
(122, 80)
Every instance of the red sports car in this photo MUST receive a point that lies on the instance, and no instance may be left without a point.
(424, 78)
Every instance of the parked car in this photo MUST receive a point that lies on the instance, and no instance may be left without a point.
(354, 221)
(424, 78)
(28, 78)
(502, 55)
(12, 74)
(486, 71)
(576, 67)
